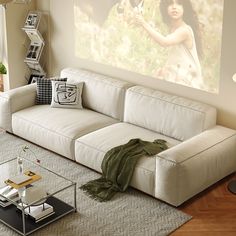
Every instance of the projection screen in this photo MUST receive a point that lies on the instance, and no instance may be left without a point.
(178, 41)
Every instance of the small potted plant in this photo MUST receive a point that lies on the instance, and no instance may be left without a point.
(3, 71)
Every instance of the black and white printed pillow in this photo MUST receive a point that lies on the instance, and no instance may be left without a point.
(44, 89)
(67, 95)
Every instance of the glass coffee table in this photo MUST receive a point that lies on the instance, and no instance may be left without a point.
(60, 196)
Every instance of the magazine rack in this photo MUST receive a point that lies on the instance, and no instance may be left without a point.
(33, 28)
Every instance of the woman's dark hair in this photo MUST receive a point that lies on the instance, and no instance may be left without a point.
(189, 16)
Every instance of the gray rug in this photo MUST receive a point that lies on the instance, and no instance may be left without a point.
(129, 213)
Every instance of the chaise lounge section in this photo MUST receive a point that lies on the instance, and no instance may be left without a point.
(200, 152)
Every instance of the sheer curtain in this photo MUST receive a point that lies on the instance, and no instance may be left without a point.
(2, 34)
(4, 80)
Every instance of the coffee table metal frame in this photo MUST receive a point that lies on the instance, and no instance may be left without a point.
(61, 206)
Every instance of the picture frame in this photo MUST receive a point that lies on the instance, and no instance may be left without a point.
(34, 51)
(32, 20)
(33, 78)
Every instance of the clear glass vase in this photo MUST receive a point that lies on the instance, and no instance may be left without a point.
(19, 165)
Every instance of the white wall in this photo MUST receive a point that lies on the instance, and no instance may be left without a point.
(62, 55)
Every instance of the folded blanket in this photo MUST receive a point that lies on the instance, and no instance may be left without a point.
(118, 166)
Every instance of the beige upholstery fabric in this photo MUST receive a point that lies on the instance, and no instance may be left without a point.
(91, 148)
(57, 128)
(100, 93)
(15, 100)
(167, 114)
(191, 166)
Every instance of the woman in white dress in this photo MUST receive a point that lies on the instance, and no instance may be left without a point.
(183, 40)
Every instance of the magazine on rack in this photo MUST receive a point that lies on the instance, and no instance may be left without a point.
(34, 51)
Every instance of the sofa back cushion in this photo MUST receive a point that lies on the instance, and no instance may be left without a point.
(100, 93)
(167, 114)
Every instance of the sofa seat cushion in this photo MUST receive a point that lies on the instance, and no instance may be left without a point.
(91, 148)
(57, 128)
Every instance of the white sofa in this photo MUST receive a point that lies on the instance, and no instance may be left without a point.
(200, 152)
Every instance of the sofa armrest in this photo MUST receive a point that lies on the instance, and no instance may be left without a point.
(15, 100)
(191, 166)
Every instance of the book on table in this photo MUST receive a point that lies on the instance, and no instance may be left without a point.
(38, 212)
(23, 180)
(19, 179)
(8, 203)
(8, 192)
(13, 184)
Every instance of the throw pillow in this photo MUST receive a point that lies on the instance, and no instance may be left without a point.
(44, 89)
(66, 95)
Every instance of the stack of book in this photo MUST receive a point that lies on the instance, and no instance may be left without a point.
(22, 180)
(38, 212)
(8, 192)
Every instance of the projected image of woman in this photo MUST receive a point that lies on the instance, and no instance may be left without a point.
(183, 41)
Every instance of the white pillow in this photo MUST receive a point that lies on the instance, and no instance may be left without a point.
(66, 95)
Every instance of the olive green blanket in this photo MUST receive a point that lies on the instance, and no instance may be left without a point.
(118, 166)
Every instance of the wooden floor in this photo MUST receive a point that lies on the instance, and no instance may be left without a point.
(213, 211)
